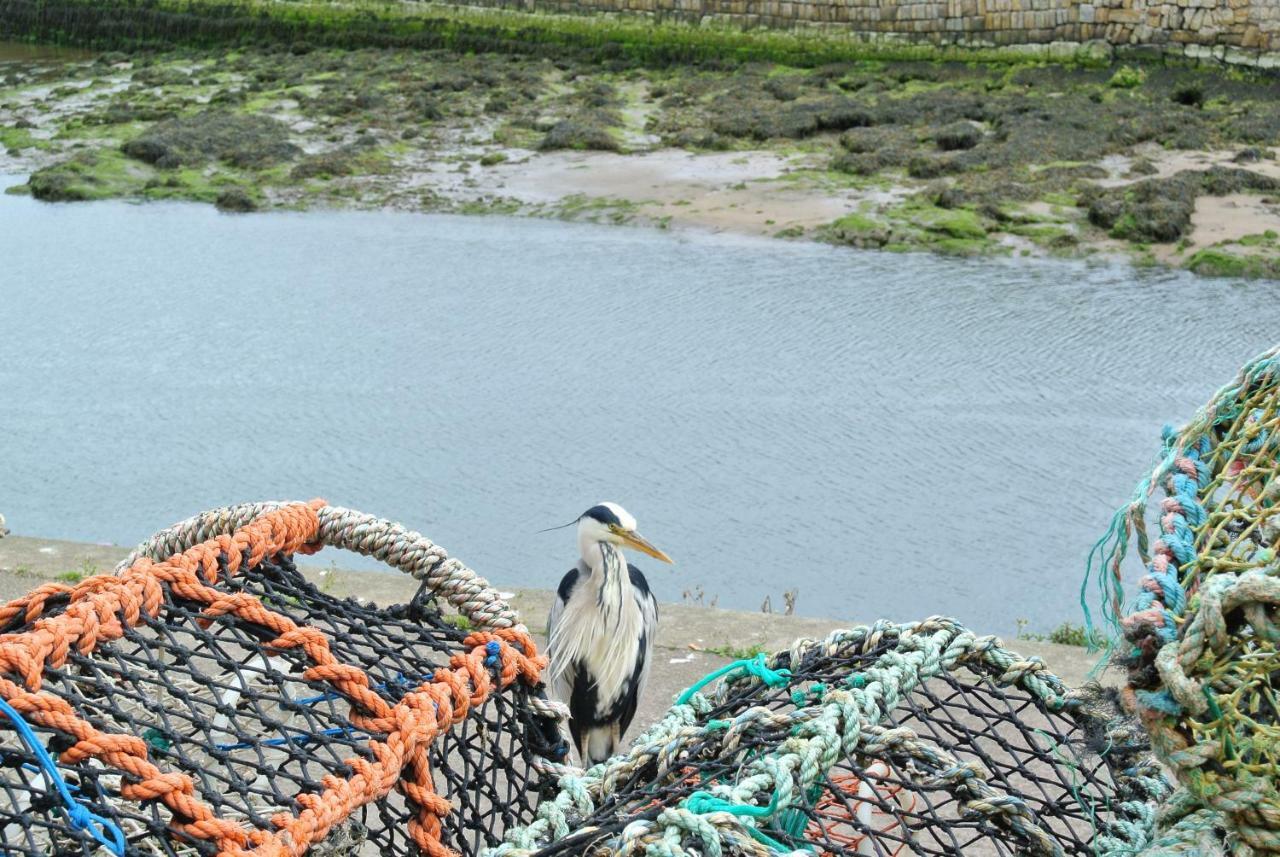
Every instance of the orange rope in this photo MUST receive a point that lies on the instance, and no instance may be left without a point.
(833, 822)
(101, 607)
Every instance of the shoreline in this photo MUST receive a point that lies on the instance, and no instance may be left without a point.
(692, 639)
(893, 156)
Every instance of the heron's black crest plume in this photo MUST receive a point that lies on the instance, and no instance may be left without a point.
(561, 526)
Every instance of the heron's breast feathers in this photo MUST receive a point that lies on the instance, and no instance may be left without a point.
(606, 641)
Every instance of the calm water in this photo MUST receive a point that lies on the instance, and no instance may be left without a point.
(893, 435)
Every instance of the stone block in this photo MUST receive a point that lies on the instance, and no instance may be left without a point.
(1099, 50)
(1236, 56)
(1085, 12)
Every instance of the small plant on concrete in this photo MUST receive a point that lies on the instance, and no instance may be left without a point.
(737, 653)
(462, 623)
(1065, 634)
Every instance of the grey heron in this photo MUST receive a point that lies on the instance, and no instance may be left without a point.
(600, 632)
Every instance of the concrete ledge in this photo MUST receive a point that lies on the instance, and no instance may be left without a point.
(686, 632)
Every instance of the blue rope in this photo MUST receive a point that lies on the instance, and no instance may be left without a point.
(291, 739)
(493, 651)
(401, 679)
(80, 816)
(752, 666)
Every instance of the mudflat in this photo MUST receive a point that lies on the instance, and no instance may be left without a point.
(1168, 165)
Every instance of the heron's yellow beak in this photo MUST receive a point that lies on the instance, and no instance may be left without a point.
(633, 539)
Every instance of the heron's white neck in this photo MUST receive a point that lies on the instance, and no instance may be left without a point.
(596, 554)
(609, 581)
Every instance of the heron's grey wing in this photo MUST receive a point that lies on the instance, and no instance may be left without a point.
(561, 680)
(563, 593)
(649, 633)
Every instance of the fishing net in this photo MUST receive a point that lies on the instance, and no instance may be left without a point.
(919, 739)
(215, 701)
(1200, 641)
(208, 700)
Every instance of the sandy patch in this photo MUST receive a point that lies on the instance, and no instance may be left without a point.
(1230, 218)
(1223, 220)
(1168, 163)
(746, 192)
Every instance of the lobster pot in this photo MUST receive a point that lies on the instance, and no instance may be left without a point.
(1200, 635)
(890, 740)
(226, 705)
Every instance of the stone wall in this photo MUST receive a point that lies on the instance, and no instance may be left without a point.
(1245, 32)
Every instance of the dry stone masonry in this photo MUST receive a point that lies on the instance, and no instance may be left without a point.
(1239, 32)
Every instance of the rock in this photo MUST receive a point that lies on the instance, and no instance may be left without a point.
(245, 141)
(571, 134)
(1160, 209)
(235, 199)
(958, 135)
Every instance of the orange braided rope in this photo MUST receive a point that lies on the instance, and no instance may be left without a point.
(101, 607)
(833, 821)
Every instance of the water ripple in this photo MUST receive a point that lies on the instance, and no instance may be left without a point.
(892, 435)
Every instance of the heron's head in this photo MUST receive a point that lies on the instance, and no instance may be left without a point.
(609, 522)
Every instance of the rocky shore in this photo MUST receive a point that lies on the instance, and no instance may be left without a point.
(1168, 165)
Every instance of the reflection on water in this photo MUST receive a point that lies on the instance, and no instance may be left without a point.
(24, 52)
(894, 435)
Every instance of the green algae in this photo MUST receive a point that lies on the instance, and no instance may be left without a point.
(87, 175)
(997, 138)
(1218, 262)
(303, 25)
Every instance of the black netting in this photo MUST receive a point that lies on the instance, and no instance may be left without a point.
(932, 778)
(240, 720)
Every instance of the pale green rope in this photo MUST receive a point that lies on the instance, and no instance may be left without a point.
(844, 719)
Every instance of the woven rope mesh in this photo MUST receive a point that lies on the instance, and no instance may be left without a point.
(1200, 640)
(987, 757)
(213, 702)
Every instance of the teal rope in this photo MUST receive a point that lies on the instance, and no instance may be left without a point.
(703, 802)
(756, 666)
(81, 817)
(844, 721)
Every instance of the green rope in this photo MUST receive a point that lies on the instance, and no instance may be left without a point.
(703, 802)
(752, 666)
(816, 690)
(789, 773)
(1224, 730)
